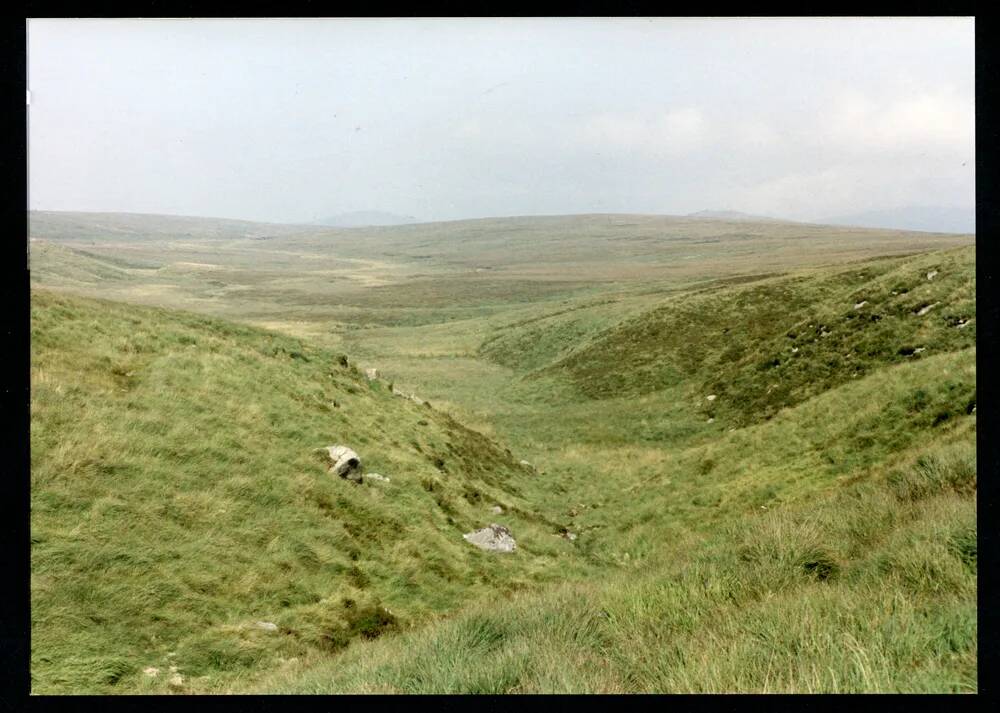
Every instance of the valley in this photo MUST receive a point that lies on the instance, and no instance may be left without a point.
(736, 456)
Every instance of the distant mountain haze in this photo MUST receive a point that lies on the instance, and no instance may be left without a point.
(934, 219)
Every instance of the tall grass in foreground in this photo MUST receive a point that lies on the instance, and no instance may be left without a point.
(870, 589)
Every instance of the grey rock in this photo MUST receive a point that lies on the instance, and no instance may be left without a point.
(494, 538)
(496, 510)
(266, 625)
(371, 374)
(376, 477)
(346, 462)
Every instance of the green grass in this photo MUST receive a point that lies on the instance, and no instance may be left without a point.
(812, 528)
(764, 347)
(868, 589)
(177, 498)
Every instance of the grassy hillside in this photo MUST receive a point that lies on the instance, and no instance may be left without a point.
(775, 343)
(177, 499)
(810, 528)
(868, 589)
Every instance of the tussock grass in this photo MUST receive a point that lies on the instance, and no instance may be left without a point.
(177, 498)
(786, 601)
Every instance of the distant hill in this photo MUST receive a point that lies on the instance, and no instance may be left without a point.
(80, 226)
(732, 215)
(365, 218)
(927, 218)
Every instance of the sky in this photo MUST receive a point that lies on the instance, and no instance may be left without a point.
(298, 120)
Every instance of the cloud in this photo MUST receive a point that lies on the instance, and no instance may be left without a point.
(938, 121)
(672, 132)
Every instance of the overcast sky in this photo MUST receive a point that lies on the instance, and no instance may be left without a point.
(293, 120)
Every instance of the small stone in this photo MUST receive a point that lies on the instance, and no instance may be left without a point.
(526, 464)
(266, 625)
(932, 274)
(860, 304)
(927, 309)
(795, 350)
(151, 671)
(710, 397)
(376, 477)
(919, 349)
(176, 680)
(496, 510)
(711, 420)
(371, 374)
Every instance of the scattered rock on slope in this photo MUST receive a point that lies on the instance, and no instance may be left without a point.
(371, 374)
(376, 476)
(494, 538)
(346, 463)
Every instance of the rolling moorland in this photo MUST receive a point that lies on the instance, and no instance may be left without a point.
(735, 456)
